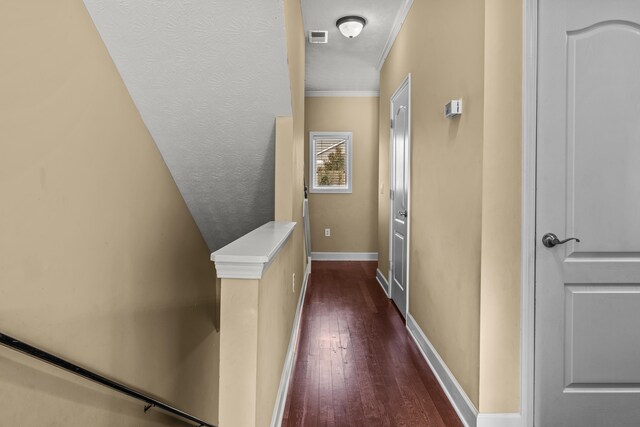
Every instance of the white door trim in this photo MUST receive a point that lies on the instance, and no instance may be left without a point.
(528, 231)
(407, 170)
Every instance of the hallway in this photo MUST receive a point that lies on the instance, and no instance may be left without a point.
(356, 363)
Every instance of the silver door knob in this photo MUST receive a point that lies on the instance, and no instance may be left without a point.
(402, 213)
(550, 240)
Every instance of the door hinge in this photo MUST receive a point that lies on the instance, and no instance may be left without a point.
(391, 194)
(391, 123)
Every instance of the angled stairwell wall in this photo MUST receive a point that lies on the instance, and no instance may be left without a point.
(101, 261)
(209, 78)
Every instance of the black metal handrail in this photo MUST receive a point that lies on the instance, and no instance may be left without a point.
(42, 355)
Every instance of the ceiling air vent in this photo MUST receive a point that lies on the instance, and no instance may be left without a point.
(318, 36)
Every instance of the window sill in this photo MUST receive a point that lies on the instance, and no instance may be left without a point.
(330, 191)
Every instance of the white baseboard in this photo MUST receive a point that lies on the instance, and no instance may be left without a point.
(344, 256)
(287, 368)
(383, 282)
(499, 420)
(458, 398)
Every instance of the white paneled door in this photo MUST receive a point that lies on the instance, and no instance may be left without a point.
(587, 339)
(400, 149)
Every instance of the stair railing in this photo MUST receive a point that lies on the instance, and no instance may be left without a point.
(44, 356)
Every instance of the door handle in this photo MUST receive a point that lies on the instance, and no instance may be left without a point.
(402, 213)
(550, 240)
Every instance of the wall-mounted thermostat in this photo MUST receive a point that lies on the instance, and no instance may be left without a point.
(453, 108)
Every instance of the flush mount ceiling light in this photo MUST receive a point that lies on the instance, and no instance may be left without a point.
(351, 26)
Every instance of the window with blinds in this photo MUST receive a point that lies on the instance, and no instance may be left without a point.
(330, 162)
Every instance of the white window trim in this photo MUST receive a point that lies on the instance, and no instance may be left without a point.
(349, 159)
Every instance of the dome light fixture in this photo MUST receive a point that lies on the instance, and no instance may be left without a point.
(351, 26)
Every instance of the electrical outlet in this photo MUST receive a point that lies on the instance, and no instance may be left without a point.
(327, 232)
(293, 283)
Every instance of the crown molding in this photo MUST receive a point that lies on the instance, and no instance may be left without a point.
(395, 30)
(342, 93)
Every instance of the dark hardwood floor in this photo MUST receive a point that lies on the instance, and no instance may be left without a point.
(356, 364)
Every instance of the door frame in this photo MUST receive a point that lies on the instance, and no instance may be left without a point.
(528, 226)
(407, 170)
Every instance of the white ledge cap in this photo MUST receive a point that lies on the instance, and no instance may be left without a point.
(250, 255)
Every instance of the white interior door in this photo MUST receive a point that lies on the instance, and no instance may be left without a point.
(400, 137)
(587, 339)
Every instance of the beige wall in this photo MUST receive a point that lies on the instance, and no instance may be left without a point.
(100, 260)
(257, 319)
(296, 58)
(446, 175)
(284, 169)
(351, 217)
(257, 315)
(238, 352)
(276, 311)
(465, 188)
(501, 187)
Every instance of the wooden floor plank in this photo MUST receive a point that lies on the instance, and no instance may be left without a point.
(356, 364)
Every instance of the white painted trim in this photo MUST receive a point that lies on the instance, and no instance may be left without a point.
(287, 368)
(527, 262)
(499, 420)
(307, 227)
(383, 282)
(342, 93)
(344, 256)
(458, 398)
(235, 270)
(348, 136)
(395, 30)
(407, 171)
(250, 255)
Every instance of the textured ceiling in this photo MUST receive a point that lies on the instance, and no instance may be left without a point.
(347, 64)
(209, 78)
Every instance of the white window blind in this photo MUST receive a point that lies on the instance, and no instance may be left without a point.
(330, 162)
